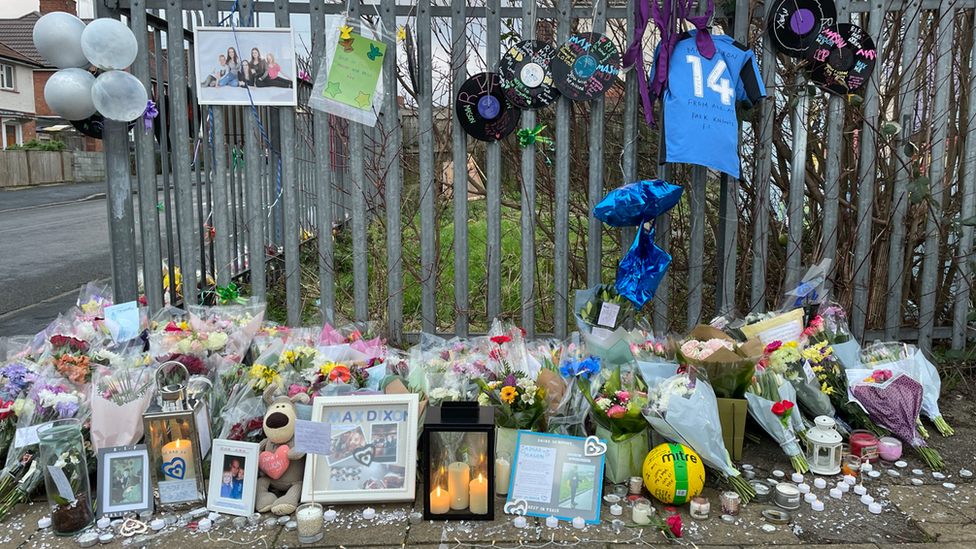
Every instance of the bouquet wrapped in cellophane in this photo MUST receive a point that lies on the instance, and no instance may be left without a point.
(771, 402)
(617, 399)
(122, 392)
(728, 365)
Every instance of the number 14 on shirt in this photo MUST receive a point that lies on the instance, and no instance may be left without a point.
(715, 81)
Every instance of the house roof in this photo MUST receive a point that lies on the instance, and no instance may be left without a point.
(18, 35)
(8, 53)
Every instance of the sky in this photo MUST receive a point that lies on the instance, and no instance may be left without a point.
(15, 8)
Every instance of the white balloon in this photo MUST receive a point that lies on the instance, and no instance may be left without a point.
(119, 95)
(109, 44)
(68, 94)
(57, 37)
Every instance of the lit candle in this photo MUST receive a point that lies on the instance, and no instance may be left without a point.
(440, 501)
(369, 513)
(330, 515)
(458, 479)
(44, 522)
(809, 497)
(835, 493)
(552, 522)
(850, 479)
(478, 490)
(797, 477)
(860, 490)
(803, 487)
(817, 505)
(104, 523)
(520, 522)
(866, 499)
(843, 487)
(820, 483)
(875, 508)
(503, 473)
(204, 525)
(579, 523)
(179, 449)
(866, 468)
(157, 525)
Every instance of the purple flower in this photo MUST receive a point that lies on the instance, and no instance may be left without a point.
(510, 381)
(66, 409)
(17, 379)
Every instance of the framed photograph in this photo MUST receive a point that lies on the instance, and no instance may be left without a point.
(124, 483)
(233, 477)
(263, 71)
(554, 476)
(372, 453)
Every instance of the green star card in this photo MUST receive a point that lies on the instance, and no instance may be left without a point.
(355, 70)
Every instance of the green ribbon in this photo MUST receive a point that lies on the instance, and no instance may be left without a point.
(229, 294)
(528, 137)
(238, 159)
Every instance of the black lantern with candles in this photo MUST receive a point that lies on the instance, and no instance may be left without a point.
(458, 444)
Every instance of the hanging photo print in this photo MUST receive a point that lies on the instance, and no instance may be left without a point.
(348, 83)
(235, 66)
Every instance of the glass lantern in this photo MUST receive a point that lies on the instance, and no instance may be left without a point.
(824, 447)
(459, 473)
(177, 429)
(66, 477)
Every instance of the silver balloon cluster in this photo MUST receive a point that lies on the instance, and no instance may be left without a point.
(73, 92)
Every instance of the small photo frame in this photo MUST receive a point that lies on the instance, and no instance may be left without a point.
(233, 477)
(124, 482)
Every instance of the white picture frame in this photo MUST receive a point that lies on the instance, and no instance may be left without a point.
(239, 461)
(342, 476)
(124, 482)
(212, 43)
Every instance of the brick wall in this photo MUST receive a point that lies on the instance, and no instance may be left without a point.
(28, 131)
(47, 6)
(88, 166)
(40, 80)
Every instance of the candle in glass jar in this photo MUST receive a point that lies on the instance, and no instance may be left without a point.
(700, 507)
(458, 480)
(730, 503)
(641, 511)
(179, 449)
(503, 473)
(309, 519)
(440, 501)
(478, 490)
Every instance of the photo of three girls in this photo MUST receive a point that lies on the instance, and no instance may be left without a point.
(257, 71)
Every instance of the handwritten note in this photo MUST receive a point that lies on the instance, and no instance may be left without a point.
(177, 491)
(25, 436)
(312, 437)
(61, 481)
(122, 321)
(608, 314)
(355, 71)
(536, 466)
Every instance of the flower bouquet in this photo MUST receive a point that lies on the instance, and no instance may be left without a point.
(123, 391)
(800, 368)
(601, 313)
(69, 356)
(519, 404)
(616, 404)
(16, 378)
(569, 416)
(894, 399)
(684, 410)
(729, 366)
(771, 405)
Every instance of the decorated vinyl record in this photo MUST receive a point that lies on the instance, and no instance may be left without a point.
(526, 74)
(586, 66)
(795, 24)
(485, 112)
(842, 58)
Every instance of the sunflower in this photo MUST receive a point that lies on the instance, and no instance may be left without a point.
(509, 394)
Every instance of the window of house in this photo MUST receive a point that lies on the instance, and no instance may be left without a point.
(7, 77)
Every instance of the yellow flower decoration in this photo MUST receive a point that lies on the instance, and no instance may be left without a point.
(401, 33)
(345, 32)
(817, 369)
(326, 368)
(509, 394)
(265, 376)
(826, 389)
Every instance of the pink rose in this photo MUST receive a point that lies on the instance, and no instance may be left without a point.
(616, 411)
(624, 396)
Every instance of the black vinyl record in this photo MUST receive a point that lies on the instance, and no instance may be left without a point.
(842, 58)
(526, 74)
(91, 126)
(586, 66)
(486, 114)
(794, 25)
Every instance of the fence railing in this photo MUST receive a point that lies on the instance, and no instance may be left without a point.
(881, 184)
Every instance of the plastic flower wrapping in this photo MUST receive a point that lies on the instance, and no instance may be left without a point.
(123, 390)
(766, 397)
(729, 366)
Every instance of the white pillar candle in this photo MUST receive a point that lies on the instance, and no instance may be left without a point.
(440, 501)
(520, 522)
(820, 483)
(866, 499)
(478, 490)
(803, 487)
(503, 475)
(458, 479)
(104, 523)
(817, 505)
(369, 513)
(797, 477)
(835, 493)
(875, 508)
(860, 490)
(330, 515)
(616, 510)
(579, 523)
(552, 522)
(178, 449)
(809, 497)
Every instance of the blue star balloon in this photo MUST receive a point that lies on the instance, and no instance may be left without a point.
(635, 203)
(642, 268)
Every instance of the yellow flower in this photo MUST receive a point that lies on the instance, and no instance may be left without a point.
(509, 394)
(327, 367)
(790, 344)
(825, 389)
(494, 385)
(817, 369)
(265, 376)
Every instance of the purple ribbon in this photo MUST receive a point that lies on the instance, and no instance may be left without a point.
(669, 40)
(151, 112)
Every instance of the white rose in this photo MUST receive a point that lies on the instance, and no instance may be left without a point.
(483, 400)
(216, 341)
(604, 403)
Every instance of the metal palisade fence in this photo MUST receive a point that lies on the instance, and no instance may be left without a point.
(413, 224)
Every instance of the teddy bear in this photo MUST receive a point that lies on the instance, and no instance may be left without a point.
(282, 468)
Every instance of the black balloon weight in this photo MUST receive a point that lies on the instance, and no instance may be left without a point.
(484, 110)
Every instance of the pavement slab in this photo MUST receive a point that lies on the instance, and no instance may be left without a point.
(22, 523)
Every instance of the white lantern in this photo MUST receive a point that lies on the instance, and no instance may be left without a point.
(824, 447)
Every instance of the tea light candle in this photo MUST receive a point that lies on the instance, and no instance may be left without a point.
(850, 479)
(104, 523)
(866, 499)
(809, 497)
(520, 522)
(44, 522)
(204, 525)
(255, 519)
(819, 483)
(553, 522)
(478, 492)
(797, 477)
(440, 501)
(749, 474)
(817, 505)
(330, 515)
(843, 487)
(835, 493)
(803, 487)
(157, 525)
(867, 467)
(369, 513)
(875, 508)
(416, 518)
(778, 474)
(106, 538)
(458, 480)
(579, 523)
(860, 490)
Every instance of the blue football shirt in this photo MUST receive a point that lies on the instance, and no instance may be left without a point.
(700, 125)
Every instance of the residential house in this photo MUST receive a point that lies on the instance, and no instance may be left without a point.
(16, 97)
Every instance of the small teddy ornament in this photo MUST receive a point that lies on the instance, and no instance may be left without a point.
(282, 467)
